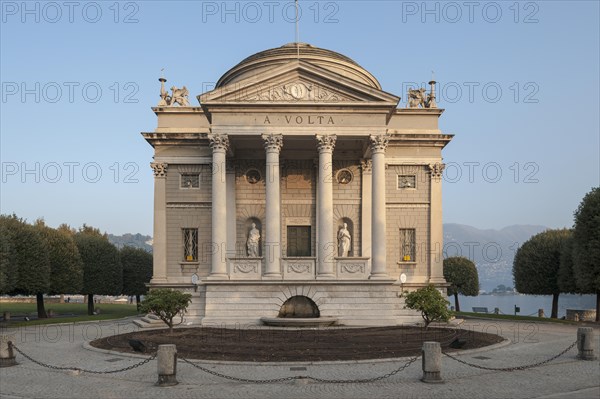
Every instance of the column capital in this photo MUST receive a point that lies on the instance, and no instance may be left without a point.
(326, 142)
(219, 142)
(273, 142)
(436, 170)
(379, 143)
(159, 168)
(366, 165)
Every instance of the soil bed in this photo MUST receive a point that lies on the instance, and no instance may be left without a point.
(279, 345)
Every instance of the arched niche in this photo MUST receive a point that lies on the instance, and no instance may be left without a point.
(299, 306)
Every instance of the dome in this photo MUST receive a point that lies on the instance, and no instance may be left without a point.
(275, 57)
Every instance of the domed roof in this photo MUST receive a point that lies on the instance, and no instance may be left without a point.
(275, 57)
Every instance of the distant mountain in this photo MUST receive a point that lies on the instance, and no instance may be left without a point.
(492, 251)
(131, 240)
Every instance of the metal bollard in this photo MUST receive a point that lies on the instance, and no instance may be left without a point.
(585, 343)
(432, 362)
(167, 365)
(7, 354)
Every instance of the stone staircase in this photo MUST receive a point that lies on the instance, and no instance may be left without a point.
(149, 321)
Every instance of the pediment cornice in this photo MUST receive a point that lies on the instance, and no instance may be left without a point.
(301, 83)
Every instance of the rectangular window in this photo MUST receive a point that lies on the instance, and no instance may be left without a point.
(298, 241)
(407, 181)
(190, 245)
(407, 245)
(189, 180)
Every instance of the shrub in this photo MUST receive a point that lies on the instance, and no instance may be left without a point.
(166, 304)
(430, 302)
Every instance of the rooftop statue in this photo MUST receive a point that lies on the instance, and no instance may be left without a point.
(177, 96)
(417, 97)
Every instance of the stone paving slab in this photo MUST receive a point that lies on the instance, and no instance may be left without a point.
(529, 342)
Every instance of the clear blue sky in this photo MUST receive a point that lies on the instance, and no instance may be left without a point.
(541, 132)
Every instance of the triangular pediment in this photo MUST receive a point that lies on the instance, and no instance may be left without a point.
(298, 82)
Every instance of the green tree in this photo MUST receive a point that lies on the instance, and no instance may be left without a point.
(462, 275)
(586, 246)
(430, 302)
(566, 277)
(66, 266)
(137, 271)
(8, 263)
(32, 265)
(536, 264)
(166, 304)
(102, 271)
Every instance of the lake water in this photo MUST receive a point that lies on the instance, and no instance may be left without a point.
(529, 303)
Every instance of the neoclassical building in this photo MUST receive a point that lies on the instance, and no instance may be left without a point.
(297, 176)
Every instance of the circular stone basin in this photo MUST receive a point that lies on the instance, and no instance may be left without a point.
(299, 322)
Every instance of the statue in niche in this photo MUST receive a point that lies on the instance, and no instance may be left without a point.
(344, 240)
(253, 241)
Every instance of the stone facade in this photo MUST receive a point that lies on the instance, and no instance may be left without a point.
(296, 148)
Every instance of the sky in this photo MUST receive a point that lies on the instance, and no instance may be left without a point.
(519, 82)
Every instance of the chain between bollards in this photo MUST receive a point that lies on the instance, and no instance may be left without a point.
(69, 368)
(304, 377)
(516, 368)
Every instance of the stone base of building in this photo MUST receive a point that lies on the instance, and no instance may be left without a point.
(235, 304)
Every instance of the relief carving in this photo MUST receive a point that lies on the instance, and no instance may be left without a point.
(353, 268)
(294, 92)
(245, 268)
(299, 268)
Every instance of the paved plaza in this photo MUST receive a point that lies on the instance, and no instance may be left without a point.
(65, 345)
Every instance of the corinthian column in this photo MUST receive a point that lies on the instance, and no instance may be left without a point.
(378, 209)
(159, 245)
(273, 145)
(219, 144)
(326, 246)
(436, 235)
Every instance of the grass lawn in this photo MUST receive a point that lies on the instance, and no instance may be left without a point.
(510, 317)
(73, 312)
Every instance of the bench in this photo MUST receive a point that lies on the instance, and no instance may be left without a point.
(477, 309)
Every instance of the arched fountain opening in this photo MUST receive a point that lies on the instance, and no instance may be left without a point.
(299, 307)
(299, 311)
